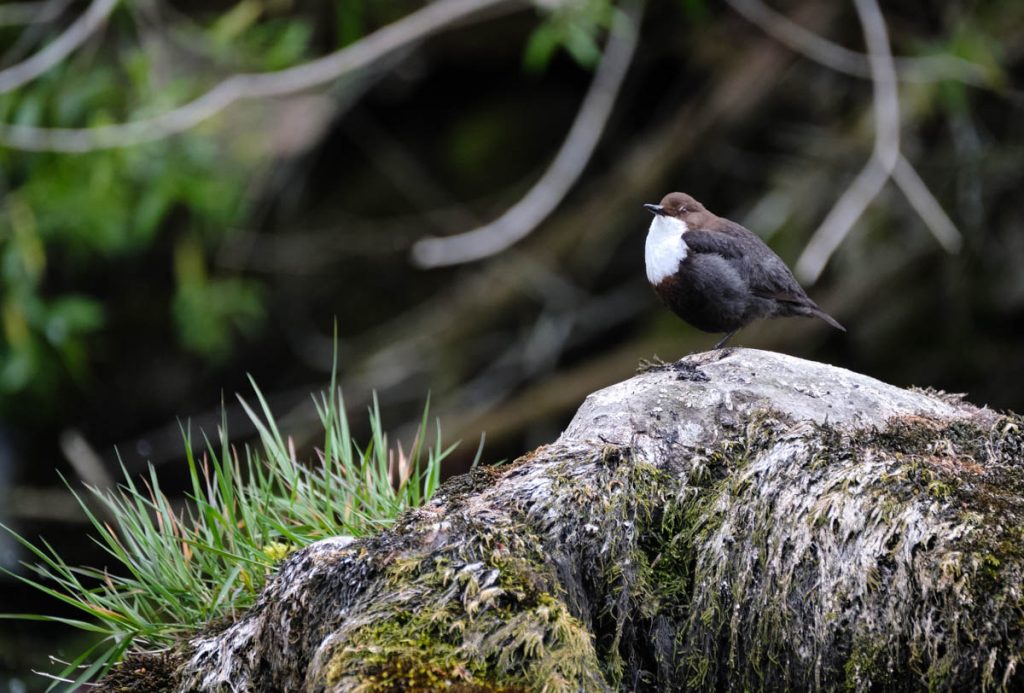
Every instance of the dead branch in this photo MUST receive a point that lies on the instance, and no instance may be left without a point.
(886, 161)
(884, 156)
(411, 29)
(56, 51)
(930, 68)
(552, 187)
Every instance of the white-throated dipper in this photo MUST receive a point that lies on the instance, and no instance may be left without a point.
(717, 275)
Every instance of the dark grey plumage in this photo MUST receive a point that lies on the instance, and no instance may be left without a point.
(726, 276)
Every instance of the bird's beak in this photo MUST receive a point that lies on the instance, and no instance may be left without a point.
(655, 209)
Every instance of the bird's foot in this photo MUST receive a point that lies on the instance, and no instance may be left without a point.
(724, 352)
(653, 364)
(684, 369)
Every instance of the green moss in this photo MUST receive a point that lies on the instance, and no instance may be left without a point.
(497, 627)
(651, 523)
(732, 563)
(734, 606)
(868, 667)
(406, 651)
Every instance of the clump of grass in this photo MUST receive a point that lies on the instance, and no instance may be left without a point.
(179, 567)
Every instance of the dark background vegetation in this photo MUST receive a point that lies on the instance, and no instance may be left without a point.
(139, 286)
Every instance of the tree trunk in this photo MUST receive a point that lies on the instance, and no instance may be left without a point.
(737, 520)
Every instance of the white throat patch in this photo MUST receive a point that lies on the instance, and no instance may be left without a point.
(665, 248)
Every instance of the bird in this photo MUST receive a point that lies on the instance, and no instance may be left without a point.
(717, 275)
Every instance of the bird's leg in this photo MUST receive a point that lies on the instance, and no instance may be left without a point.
(726, 338)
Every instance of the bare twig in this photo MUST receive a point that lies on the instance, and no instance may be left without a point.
(524, 216)
(75, 35)
(410, 29)
(31, 35)
(24, 503)
(841, 59)
(883, 159)
(84, 459)
(927, 207)
(885, 162)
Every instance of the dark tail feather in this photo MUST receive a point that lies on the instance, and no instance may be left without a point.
(796, 302)
(819, 313)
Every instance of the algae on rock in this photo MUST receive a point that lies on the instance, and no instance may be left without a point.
(774, 524)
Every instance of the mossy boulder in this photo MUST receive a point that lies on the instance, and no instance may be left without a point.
(740, 520)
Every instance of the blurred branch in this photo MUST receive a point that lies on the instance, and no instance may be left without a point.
(524, 216)
(25, 503)
(35, 31)
(841, 59)
(73, 37)
(928, 208)
(884, 158)
(410, 29)
(22, 13)
(84, 459)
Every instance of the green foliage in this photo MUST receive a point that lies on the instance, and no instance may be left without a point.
(64, 217)
(695, 10)
(273, 44)
(178, 569)
(206, 308)
(36, 331)
(351, 19)
(574, 26)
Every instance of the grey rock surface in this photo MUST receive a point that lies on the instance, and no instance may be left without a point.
(693, 401)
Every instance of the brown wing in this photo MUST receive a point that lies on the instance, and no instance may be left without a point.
(767, 277)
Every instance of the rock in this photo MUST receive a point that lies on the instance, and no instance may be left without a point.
(740, 520)
(653, 409)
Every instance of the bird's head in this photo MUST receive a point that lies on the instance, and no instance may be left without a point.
(679, 206)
